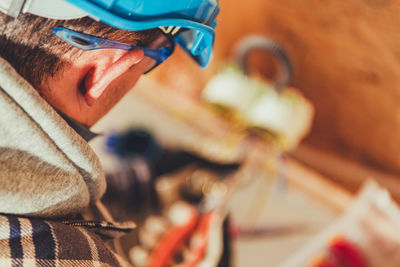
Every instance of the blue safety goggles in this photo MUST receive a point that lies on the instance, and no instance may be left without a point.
(158, 51)
(196, 17)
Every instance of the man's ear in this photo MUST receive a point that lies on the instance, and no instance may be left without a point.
(105, 70)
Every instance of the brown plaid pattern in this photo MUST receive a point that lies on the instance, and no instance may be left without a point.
(35, 242)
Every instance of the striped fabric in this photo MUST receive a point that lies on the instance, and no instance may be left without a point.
(35, 242)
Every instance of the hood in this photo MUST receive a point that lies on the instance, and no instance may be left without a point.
(46, 168)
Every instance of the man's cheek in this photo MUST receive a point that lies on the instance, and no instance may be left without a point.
(125, 83)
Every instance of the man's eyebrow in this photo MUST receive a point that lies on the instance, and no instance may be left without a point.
(145, 38)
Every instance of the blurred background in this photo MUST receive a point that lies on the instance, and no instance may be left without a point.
(346, 62)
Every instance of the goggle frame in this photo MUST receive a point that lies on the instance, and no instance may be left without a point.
(88, 42)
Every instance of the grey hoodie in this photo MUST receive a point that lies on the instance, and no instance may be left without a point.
(46, 168)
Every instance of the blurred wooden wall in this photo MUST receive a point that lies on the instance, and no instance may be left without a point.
(346, 56)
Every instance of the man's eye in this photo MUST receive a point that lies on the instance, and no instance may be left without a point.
(80, 41)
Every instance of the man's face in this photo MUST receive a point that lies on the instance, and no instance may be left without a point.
(94, 82)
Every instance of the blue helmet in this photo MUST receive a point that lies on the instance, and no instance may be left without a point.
(191, 22)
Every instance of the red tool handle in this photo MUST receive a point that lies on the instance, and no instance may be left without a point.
(171, 242)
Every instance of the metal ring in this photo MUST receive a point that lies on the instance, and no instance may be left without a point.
(262, 43)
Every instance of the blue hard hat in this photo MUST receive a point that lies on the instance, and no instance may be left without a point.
(197, 17)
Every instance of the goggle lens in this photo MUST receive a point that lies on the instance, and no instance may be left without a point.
(197, 44)
(165, 46)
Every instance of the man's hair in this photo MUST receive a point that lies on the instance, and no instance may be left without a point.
(28, 44)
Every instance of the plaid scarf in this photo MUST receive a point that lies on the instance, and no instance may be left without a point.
(36, 242)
